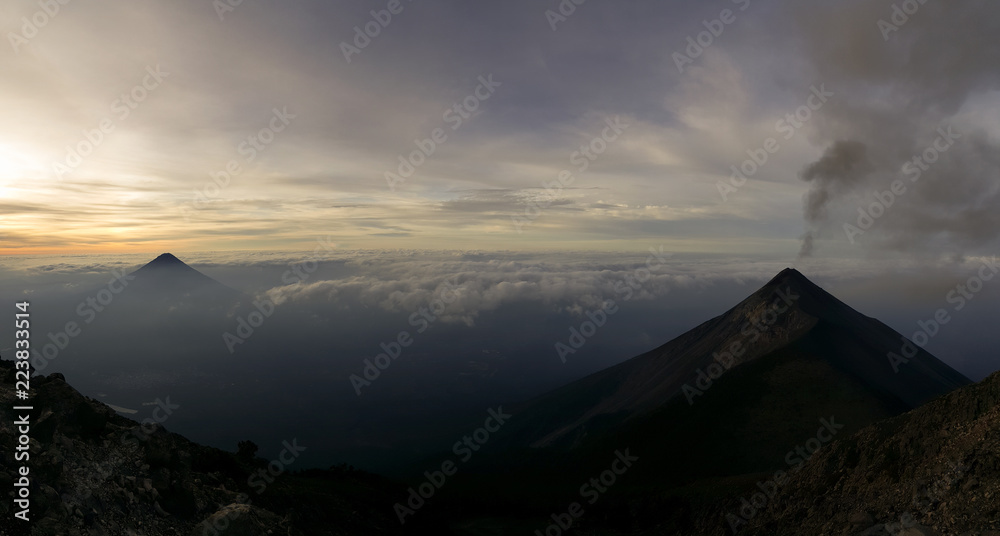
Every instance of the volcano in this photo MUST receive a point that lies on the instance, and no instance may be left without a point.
(168, 280)
(790, 319)
(713, 411)
(153, 323)
(165, 260)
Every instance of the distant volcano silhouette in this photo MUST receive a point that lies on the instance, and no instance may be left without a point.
(167, 278)
(165, 261)
(152, 323)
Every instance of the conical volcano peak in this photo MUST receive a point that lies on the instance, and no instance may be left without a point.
(165, 259)
(167, 273)
(167, 265)
(790, 275)
(787, 332)
(791, 279)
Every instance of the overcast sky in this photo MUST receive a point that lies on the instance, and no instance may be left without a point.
(161, 96)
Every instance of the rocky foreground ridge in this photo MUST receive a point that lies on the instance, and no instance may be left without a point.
(97, 473)
(932, 471)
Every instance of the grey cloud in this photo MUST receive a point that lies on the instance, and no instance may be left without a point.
(568, 282)
(895, 89)
(842, 166)
(609, 58)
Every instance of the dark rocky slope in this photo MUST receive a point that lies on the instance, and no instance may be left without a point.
(934, 470)
(97, 473)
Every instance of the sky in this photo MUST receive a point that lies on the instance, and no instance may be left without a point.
(199, 126)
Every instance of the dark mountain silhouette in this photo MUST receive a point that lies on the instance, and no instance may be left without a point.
(788, 317)
(166, 299)
(162, 323)
(165, 261)
(94, 472)
(167, 281)
(806, 367)
(710, 411)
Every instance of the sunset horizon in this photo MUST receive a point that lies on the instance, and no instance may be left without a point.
(555, 267)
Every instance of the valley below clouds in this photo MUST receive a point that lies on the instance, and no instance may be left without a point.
(494, 342)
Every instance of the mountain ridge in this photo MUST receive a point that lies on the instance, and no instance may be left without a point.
(95, 472)
(786, 309)
(811, 357)
(706, 435)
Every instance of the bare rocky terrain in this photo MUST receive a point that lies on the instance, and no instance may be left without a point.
(97, 473)
(932, 471)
